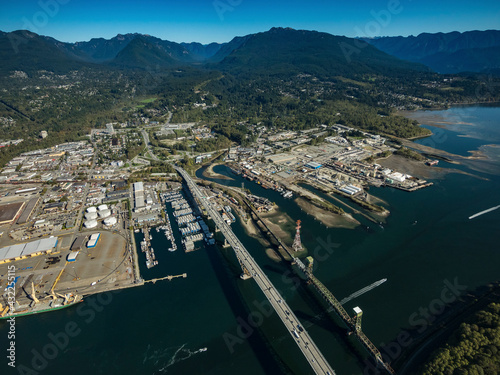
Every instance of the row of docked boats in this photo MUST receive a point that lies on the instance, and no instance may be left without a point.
(167, 230)
(150, 254)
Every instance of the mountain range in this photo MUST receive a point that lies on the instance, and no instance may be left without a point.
(277, 51)
(471, 51)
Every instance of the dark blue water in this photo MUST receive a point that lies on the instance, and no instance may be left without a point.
(427, 242)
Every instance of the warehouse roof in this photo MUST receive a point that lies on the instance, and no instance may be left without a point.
(26, 249)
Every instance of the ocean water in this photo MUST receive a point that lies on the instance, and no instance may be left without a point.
(428, 250)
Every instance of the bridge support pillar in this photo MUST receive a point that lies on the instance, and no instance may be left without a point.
(357, 318)
(245, 275)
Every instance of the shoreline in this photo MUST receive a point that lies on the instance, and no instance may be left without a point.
(281, 220)
(327, 218)
(209, 172)
(422, 350)
(444, 108)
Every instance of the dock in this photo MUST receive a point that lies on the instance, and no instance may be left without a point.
(169, 278)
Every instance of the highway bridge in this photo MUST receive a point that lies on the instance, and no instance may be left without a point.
(301, 337)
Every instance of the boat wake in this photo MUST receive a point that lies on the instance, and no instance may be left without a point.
(318, 317)
(363, 291)
(484, 212)
(165, 358)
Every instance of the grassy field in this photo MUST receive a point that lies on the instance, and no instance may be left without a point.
(148, 100)
(144, 102)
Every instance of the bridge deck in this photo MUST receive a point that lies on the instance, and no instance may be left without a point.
(301, 337)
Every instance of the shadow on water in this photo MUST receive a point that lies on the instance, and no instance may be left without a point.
(327, 320)
(225, 270)
(225, 276)
(273, 269)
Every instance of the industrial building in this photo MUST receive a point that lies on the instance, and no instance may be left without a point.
(146, 218)
(28, 190)
(78, 243)
(200, 158)
(93, 240)
(139, 196)
(351, 189)
(41, 224)
(27, 250)
(72, 256)
(28, 211)
(10, 212)
(116, 196)
(396, 176)
(313, 165)
(53, 207)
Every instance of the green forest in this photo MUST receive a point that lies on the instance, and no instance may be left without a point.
(474, 349)
(68, 105)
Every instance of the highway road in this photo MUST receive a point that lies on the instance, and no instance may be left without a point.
(300, 335)
(145, 136)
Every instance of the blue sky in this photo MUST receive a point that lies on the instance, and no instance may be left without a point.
(220, 20)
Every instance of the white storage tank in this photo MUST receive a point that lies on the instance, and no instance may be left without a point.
(91, 209)
(110, 221)
(90, 224)
(102, 207)
(91, 216)
(104, 213)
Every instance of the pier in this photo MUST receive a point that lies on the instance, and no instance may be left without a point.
(169, 278)
(147, 249)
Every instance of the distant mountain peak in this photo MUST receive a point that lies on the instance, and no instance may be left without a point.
(280, 50)
(288, 51)
(453, 52)
(282, 29)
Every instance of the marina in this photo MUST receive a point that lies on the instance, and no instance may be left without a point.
(191, 226)
(148, 250)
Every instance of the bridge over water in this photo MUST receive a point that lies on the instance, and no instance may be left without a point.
(251, 269)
